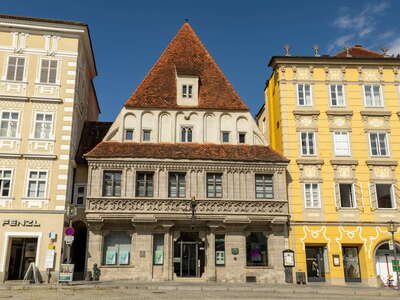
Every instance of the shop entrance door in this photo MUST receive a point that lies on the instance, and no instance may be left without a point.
(189, 256)
(351, 264)
(23, 252)
(315, 264)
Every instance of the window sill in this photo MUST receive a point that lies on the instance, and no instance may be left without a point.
(258, 267)
(117, 267)
(4, 138)
(385, 209)
(344, 161)
(51, 139)
(56, 84)
(381, 161)
(35, 199)
(15, 81)
(310, 160)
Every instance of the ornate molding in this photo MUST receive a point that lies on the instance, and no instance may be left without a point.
(182, 206)
(334, 112)
(344, 162)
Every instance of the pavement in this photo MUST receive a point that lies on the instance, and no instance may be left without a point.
(124, 290)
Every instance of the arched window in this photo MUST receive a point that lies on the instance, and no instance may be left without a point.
(117, 248)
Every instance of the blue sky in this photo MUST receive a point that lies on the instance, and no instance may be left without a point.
(128, 36)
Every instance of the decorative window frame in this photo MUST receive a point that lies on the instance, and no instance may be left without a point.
(39, 69)
(180, 133)
(311, 94)
(5, 68)
(380, 93)
(102, 181)
(330, 95)
(349, 138)
(10, 196)
(336, 191)
(314, 141)
(52, 131)
(319, 195)
(387, 144)
(46, 190)
(18, 131)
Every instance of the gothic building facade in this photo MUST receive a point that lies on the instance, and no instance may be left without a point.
(183, 184)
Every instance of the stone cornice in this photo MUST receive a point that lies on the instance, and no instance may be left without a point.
(306, 112)
(309, 161)
(334, 112)
(344, 162)
(376, 113)
(377, 162)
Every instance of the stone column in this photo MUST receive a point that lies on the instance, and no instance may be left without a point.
(94, 245)
(168, 252)
(210, 257)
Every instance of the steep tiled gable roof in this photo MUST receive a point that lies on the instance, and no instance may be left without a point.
(185, 55)
(358, 51)
(248, 153)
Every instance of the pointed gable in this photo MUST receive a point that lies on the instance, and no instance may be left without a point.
(358, 51)
(185, 55)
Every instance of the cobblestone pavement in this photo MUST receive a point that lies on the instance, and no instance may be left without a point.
(163, 291)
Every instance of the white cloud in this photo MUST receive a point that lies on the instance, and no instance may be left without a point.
(358, 26)
(394, 47)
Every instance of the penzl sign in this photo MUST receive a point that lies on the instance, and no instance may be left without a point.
(21, 223)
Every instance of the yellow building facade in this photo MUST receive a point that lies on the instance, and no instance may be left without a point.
(337, 119)
(46, 94)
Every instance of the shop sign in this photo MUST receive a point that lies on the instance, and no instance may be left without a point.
(49, 260)
(21, 223)
(396, 265)
(66, 272)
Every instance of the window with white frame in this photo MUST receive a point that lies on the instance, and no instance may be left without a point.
(186, 134)
(37, 183)
(312, 196)
(43, 125)
(304, 94)
(385, 196)
(307, 141)
(346, 194)
(378, 143)
(264, 186)
(79, 194)
(48, 71)
(341, 143)
(373, 95)
(187, 91)
(337, 95)
(128, 134)
(15, 68)
(9, 123)
(5, 182)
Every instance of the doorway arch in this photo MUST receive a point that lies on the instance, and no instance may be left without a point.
(383, 263)
(78, 250)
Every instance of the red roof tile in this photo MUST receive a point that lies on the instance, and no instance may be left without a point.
(185, 55)
(249, 153)
(359, 51)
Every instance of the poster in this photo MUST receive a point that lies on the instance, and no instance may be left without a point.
(220, 257)
(123, 257)
(49, 260)
(66, 272)
(111, 256)
(159, 256)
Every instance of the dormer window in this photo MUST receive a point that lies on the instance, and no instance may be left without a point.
(187, 91)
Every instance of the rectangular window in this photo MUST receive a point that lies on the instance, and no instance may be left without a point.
(307, 140)
(9, 123)
(176, 185)
(256, 249)
(187, 91)
(112, 183)
(117, 248)
(158, 249)
(341, 143)
(337, 95)
(5, 182)
(373, 95)
(48, 71)
(220, 249)
(15, 69)
(264, 186)
(378, 144)
(385, 197)
(128, 134)
(312, 195)
(225, 136)
(214, 185)
(242, 138)
(37, 183)
(144, 184)
(186, 134)
(146, 135)
(347, 196)
(43, 125)
(304, 94)
(79, 194)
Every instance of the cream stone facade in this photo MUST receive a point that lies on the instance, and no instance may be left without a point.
(182, 185)
(46, 94)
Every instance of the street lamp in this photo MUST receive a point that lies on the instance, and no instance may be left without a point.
(193, 205)
(392, 229)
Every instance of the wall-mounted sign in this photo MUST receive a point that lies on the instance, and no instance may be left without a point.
(288, 258)
(66, 272)
(49, 260)
(69, 231)
(235, 251)
(21, 223)
(336, 260)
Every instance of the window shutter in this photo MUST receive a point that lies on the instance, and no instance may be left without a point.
(372, 196)
(336, 191)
